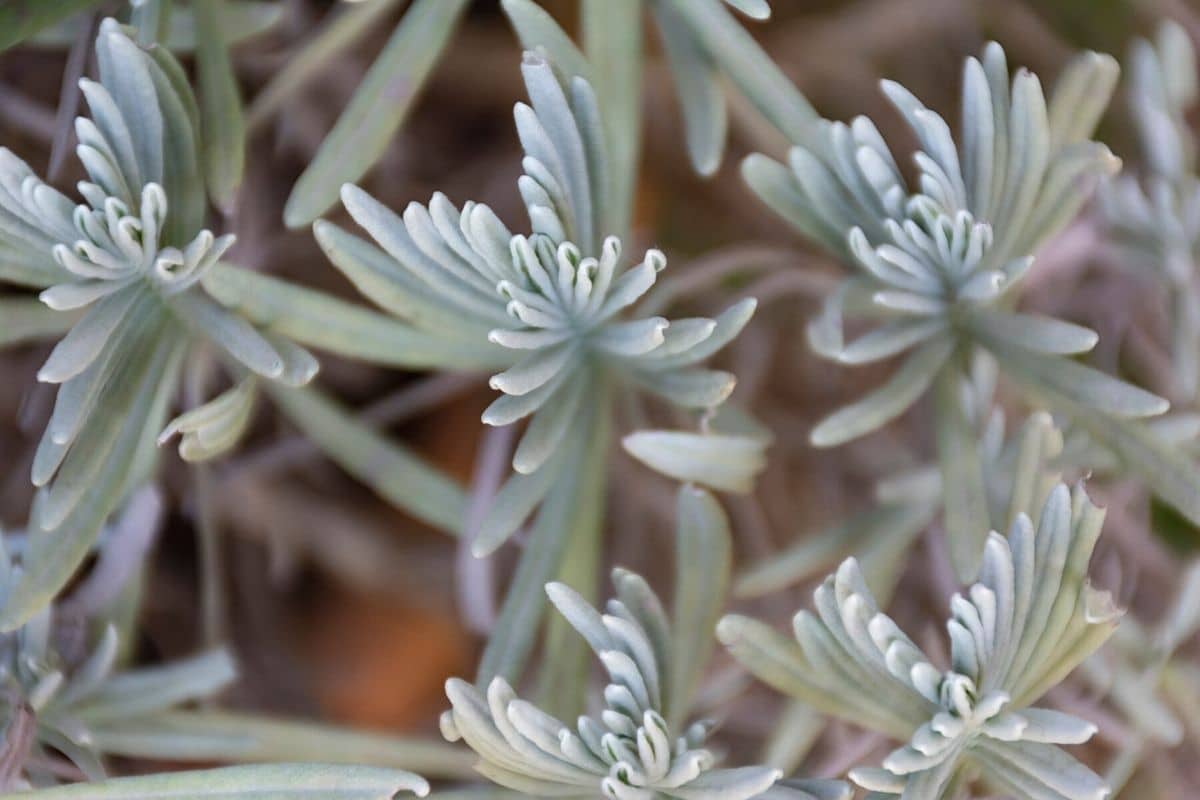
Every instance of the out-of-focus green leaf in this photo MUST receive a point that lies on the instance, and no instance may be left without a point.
(612, 35)
(20, 19)
(154, 689)
(152, 18)
(346, 26)
(814, 554)
(749, 66)
(221, 121)
(243, 19)
(377, 110)
(537, 30)
(239, 738)
(703, 558)
(397, 475)
(963, 492)
(257, 782)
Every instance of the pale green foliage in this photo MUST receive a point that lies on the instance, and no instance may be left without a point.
(701, 38)
(726, 462)
(1155, 221)
(276, 781)
(548, 301)
(52, 701)
(938, 267)
(627, 752)
(130, 260)
(1029, 620)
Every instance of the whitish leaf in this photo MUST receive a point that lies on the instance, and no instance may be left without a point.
(614, 40)
(377, 109)
(1037, 333)
(719, 461)
(153, 689)
(749, 67)
(258, 782)
(54, 554)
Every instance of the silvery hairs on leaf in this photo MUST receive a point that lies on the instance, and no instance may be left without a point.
(627, 752)
(1155, 220)
(1030, 619)
(130, 257)
(550, 303)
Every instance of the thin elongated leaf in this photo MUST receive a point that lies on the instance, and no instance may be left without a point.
(612, 35)
(703, 559)
(697, 83)
(377, 109)
(257, 782)
(22, 18)
(326, 323)
(221, 117)
(816, 553)
(346, 26)
(244, 19)
(393, 472)
(1034, 332)
(153, 689)
(749, 66)
(888, 401)
(537, 30)
(1082, 384)
(1165, 470)
(54, 555)
(240, 738)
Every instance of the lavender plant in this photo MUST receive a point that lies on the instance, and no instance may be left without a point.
(939, 268)
(137, 289)
(637, 746)
(545, 307)
(1028, 622)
